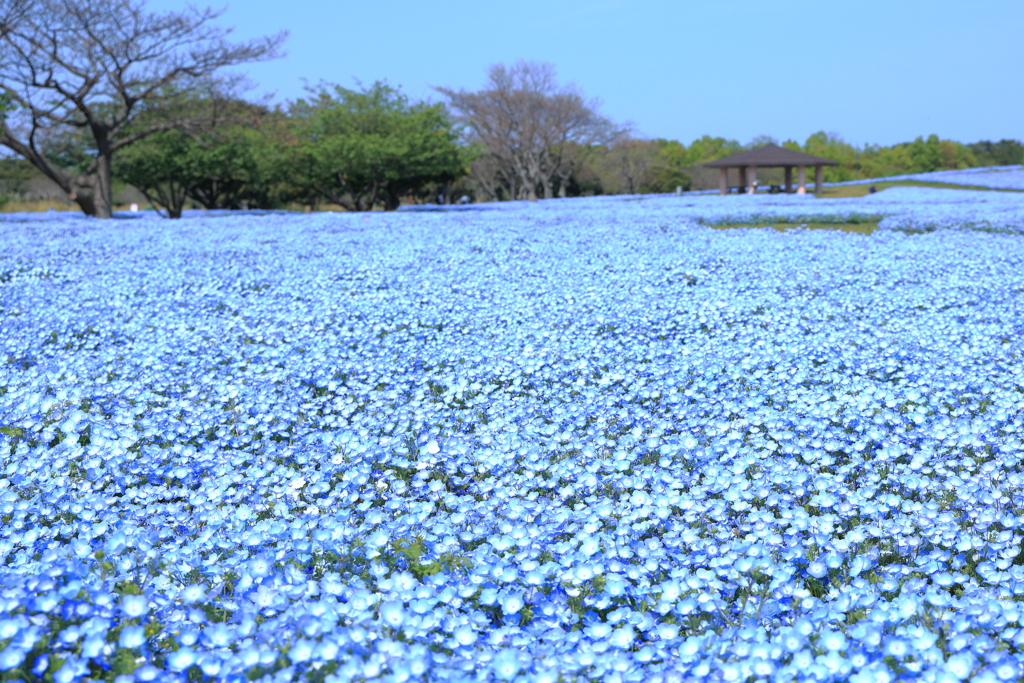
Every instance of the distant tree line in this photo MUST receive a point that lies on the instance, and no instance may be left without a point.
(96, 93)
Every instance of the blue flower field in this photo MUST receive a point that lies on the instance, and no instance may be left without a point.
(586, 439)
(996, 177)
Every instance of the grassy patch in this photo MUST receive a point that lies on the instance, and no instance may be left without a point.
(844, 191)
(861, 228)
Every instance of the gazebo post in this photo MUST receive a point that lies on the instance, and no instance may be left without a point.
(801, 179)
(749, 161)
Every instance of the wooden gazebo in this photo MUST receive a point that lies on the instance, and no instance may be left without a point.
(769, 156)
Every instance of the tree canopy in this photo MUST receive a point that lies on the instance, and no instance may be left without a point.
(367, 147)
(225, 167)
(111, 73)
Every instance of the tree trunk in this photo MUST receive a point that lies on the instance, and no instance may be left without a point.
(546, 183)
(391, 200)
(103, 196)
(71, 185)
(84, 201)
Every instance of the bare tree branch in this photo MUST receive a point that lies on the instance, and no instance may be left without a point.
(534, 130)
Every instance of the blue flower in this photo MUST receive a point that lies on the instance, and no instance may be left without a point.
(11, 657)
(134, 606)
(181, 659)
(210, 664)
(259, 567)
(392, 613)
(511, 603)
(622, 637)
(832, 640)
(464, 635)
(506, 664)
(71, 670)
(192, 593)
(132, 637)
(301, 651)
(960, 665)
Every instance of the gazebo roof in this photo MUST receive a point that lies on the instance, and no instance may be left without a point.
(770, 155)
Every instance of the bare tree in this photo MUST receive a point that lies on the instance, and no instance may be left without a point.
(628, 166)
(532, 129)
(109, 73)
(490, 176)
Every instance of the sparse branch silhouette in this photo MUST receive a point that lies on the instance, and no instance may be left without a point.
(533, 130)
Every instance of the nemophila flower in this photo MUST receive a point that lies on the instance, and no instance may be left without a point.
(11, 657)
(147, 672)
(192, 593)
(961, 665)
(506, 664)
(181, 659)
(832, 640)
(41, 664)
(264, 597)
(210, 664)
(667, 631)
(301, 651)
(72, 669)
(622, 637)
(132, 637)
(11, 626)
(259, 567)
(70, 634)
(464, 635)
(332, 585)
(511, 603)
(1006, 669)
(392, 613)
(189, 636)
(134, 606)
(92, 646)
(895, 646)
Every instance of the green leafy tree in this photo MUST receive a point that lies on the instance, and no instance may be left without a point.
(1002, 153)
(831, 146)
(361, 148)
(162, 168)
(225, 167)
(707, 148)
(669, 170)
(925, 155)
(235, 170)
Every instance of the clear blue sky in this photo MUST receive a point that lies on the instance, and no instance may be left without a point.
(873, 71)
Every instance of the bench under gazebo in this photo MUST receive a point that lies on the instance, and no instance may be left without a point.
(769, 156)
